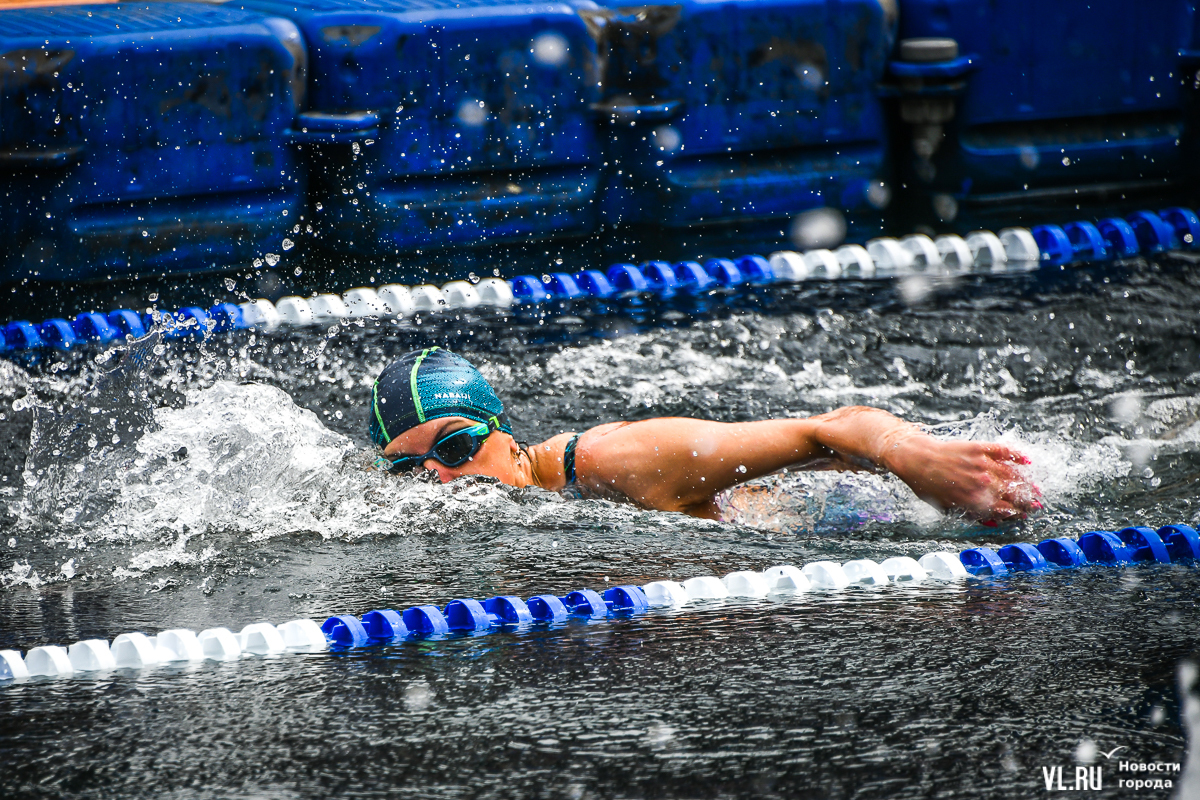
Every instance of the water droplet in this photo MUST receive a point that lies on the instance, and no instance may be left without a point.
(288, 244)
(550, 49)
(418, 696)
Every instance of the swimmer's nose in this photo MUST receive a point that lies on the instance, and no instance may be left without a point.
(443, 472)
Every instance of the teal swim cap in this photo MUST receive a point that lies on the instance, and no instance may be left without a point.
(430, 384)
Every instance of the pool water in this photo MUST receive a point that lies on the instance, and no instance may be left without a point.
(227, 485)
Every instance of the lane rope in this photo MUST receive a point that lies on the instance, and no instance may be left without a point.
(1011, 250)
(136, 650)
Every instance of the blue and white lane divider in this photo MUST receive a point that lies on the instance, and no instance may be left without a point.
(982, 251)
(1171, 543)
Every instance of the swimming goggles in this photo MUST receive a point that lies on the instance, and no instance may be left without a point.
(452, 451)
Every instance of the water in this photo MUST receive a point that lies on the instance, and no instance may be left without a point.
(236, 491)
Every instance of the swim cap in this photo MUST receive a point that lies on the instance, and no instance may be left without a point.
(430, 384)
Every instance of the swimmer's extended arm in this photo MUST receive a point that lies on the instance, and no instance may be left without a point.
(680, 464)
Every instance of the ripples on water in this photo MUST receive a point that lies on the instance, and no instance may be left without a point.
(231, 487)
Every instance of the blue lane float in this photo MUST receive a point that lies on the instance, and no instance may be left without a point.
(1051, 245)
(982, 561)
(1063, 552)
(468, 616)
(1104, 547)
(1021, 557)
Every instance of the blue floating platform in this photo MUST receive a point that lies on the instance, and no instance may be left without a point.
(441, 123)
(738, 110)
(144, 138)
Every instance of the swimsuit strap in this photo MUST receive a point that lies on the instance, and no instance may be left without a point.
(569, 459)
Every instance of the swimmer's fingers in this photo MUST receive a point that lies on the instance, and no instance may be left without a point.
(1003, 453)
(1021, 491)
(1016, 496)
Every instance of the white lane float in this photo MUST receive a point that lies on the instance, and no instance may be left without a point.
(746, 584)
(495, 292)
(827, 575)
(364, 302)
(866, 572)
(903, 569)
(261, 314)
(1019, 245)
(427, 298)
(134, 651)
(91, 655)
(397, 300)
(303, 634)
(12, 666)
(666, 594)
(328, 308)
(987, 250)
(294, 311)
(261, 638)
(955, 253)
(788, 266)
(705, 587)
(50, 661)
(926, 256)
(178, 644)
(855, 261)
(219, 644)
(786, 579)
(460, 294)
(890, 257)
(823, 264)
(943, 566)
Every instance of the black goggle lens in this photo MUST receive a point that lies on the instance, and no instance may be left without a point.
(453, 451)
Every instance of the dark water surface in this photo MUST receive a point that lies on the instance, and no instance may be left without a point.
(937, 690)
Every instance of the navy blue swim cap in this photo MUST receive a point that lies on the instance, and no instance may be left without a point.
(430, 384)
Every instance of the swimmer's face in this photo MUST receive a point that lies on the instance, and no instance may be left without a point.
(497, 457)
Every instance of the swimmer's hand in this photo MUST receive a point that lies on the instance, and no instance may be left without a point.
(980, 478)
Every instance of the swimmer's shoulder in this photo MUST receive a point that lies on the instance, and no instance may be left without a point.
(550, 457)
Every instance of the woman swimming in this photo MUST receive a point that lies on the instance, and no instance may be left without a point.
(433, 410)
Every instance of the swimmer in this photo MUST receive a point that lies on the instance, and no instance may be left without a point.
(433, 410)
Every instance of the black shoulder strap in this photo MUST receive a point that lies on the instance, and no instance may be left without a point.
(569, 459)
